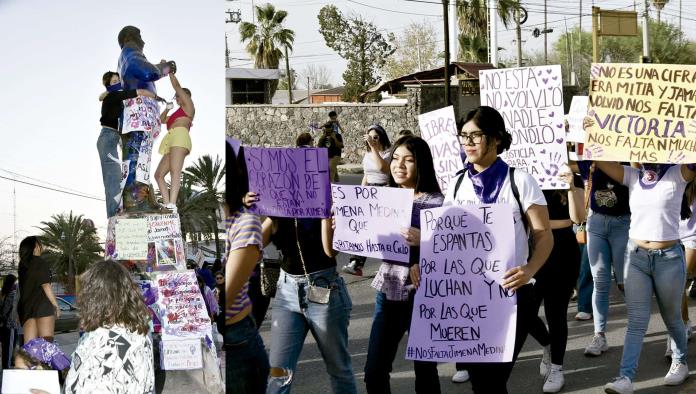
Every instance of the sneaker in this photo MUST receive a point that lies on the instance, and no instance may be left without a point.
(583, 316)
(574, 297)
(461, 377)
(171, 206)
(692, 289)
(352, 268)
(677, 374)
(668, 351)
(554, 381)
(620, 385)
(545, 364)
(597, 346)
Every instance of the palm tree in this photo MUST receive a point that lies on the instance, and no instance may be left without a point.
(266, 39)
(471, 16)
(207, 174)
(71, 244)
(659, 5)
(194, 208)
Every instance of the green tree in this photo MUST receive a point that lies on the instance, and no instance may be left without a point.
(207, 174)
(471, 16)
(360, 43)
(194, 208)
(416, 50)
(668, 45)
(71, 245)
(267, 39)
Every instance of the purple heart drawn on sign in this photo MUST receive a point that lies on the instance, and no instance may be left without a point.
(542, 180)
(548, 70)
(553, 183)
(559, 125)
(543, 151)
(591, 113)
(546, 80)
(550, 87)
(554, 78)
(505, 104)
(539, 73)
(559, 140)
(534, 161)
(551, 114)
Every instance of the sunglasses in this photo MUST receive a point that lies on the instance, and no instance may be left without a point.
(219, 278)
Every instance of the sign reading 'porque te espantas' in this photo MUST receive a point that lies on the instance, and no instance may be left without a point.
(642, 113)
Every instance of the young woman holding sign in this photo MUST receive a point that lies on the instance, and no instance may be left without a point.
(654, 262)
(375, 169)
(411, 167)
(486, 179)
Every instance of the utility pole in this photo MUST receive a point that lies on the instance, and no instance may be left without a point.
(420, 67)
(493, 32)
(227, 53)
(546, 38)
(518, 34)
(595, 35)
(287, 68)
(454, 24)
(646, 37)
(680, 8)
(445, 6)
(308, 92)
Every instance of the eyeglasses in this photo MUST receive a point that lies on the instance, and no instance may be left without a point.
(474, 138)
(219, 278)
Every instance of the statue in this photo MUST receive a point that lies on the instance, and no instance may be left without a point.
(141, 124)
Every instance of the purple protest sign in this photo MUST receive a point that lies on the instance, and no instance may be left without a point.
(461, 312)
(369, 220)
(290, 182)
(439, 129)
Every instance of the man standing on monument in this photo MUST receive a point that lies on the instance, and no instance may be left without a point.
(141, 123)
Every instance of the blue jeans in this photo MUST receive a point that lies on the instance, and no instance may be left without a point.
(662, 271)
(246, 361)
(585, 282)
(107, 145)
(391, 321)
(607, 237)
(293, 314)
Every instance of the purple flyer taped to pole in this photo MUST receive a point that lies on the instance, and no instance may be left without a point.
(461, 312)
(290, 182)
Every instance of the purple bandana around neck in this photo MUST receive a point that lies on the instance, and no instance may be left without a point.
(487, 183)
(651, 174)
(48, 353)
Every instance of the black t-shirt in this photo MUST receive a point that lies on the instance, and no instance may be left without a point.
(112, 107)
(328, 142)
(608, 197)
(285, 239)
(33, 302)
(557, 201)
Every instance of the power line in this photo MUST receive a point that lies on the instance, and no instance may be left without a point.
(40, 180)
(388, 10)
(50, 188)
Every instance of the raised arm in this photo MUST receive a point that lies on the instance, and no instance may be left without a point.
(186, 102)
(613, 170)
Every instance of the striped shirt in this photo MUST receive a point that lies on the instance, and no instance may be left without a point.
(243, 229)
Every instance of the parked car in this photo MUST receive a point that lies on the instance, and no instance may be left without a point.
(68, 320)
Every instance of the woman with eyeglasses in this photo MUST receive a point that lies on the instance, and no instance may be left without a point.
(376, 173)
(176, 145)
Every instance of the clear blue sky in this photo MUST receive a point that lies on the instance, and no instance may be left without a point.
(53, 56)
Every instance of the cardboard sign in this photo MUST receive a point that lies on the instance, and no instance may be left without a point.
(576, 114)
(290, 182)
(181, 354)
(20, 381)
(131, 238)
(530, 99)
(439, 129)
(141, 114)
(642, 113)
(369, 220)
(461, 312)
(182, 305)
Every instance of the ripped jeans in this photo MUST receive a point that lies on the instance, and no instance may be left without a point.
(293, 315)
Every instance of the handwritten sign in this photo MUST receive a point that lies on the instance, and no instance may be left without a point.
(184, 311)
(141, 114)
(642, 113)
(461, 312)
(131, 239)
(576, 114)
(291, 182)
(181, 354)
(439, 129)
(530, 99)
(16, 381)
(142, 172)
(369, 220)
(163, 227)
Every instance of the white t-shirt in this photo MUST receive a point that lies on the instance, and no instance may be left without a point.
(371, 169)
(530, 194)
(655, 212)
(687, 228)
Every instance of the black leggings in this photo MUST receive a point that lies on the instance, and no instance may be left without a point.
(491, 378)
(554, 286)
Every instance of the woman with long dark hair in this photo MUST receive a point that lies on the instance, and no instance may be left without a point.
(37, 308)
(116, 351)
(8, 322)
(411, 167)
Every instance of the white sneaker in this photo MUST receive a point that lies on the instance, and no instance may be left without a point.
(620, 385)
(171, 206)
(545, 361)
(581, 316)
(461, 377)
(554, 381)
(597, 346)
(677, 374)
(668, 351)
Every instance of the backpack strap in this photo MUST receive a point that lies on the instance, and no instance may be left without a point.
(516, 193)
(461, 174)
